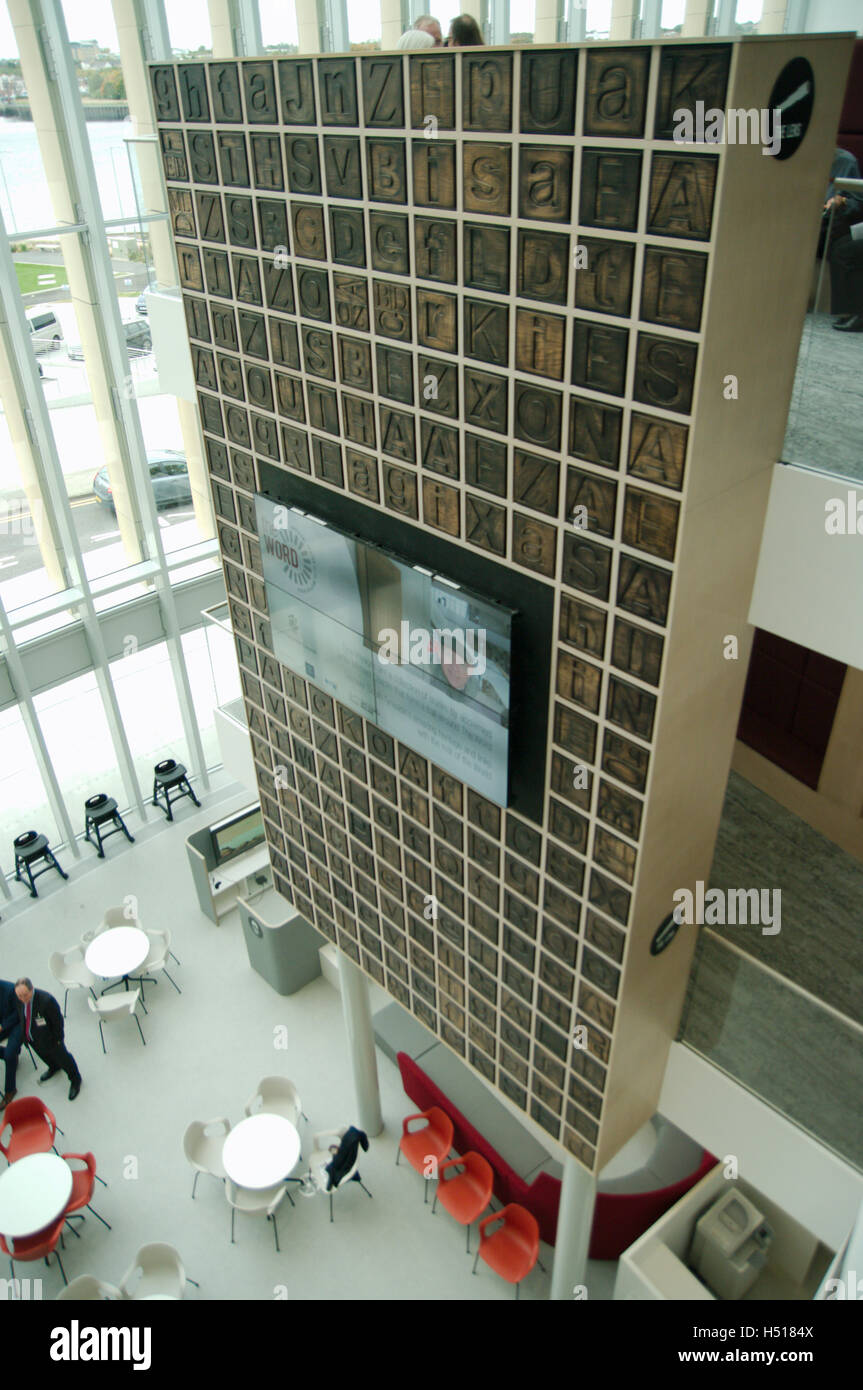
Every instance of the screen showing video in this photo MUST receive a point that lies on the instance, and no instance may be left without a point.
(423, 658)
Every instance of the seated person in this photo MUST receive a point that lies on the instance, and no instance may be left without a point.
(846, 283)
(464, 32)
(12, 1034)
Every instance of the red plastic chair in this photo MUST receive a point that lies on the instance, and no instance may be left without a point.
(83, 1183)
(36, 1247)
(513, 1249)
(466, 1195)
(432, 1143)
(33, 1129)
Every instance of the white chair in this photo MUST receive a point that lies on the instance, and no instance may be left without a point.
(266, 1199)
(156, 1272)
(112, 917)
(69, 968)
(276, 1095)
(326, 1147)
(203, 1148)
(120, 1006)
(87, 1289)
(157, 956)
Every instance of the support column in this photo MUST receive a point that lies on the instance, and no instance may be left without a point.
(236, 28)
(142, 41)
(308, 28)
(549, 16)
(391, 23)
(574, 1221)
(772, 19)
(696, 18)
(624, 16)
(361, 1040)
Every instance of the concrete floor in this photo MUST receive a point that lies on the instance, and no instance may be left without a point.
(206, 1050)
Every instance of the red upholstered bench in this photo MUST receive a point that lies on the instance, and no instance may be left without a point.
(620, 1217)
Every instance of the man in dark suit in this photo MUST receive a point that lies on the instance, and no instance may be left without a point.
(12, 1035)
(42, 1026)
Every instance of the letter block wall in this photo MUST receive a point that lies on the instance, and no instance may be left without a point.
(486, 292)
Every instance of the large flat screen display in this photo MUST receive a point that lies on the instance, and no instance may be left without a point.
(426, 660)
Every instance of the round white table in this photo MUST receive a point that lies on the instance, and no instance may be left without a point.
(261, 1151)
(118, 951)
(33, 1193)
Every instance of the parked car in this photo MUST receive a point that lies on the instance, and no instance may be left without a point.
(141, 301)
(169, 478)
(46, 331)
(139, 340)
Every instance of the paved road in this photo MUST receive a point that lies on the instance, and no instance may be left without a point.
(95, 525)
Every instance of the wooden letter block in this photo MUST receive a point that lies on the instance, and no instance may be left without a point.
(486, 332)
(485, 524)
(309, 238)
(644, 590)
(485, 400)
(579, 681)
(434, 173)
(441, 506)
(610, 185)
(337, 85)
(586, 566)
(657, 450)
(438, 386)
(620, 810)
(362, 475)
(486, 258)
(174, 155)
(630, 707)
(397, 434)
(297, 91)
(650, 522)
(355, 362)
(193, 92)
(597, 495)
(599, 356)
(582, 626)
(487, 91)
(225, 94)
(260, 89)
(604, 285)
(351, 299)
(395, 374)
(439, 451)
(664, 372)
(164, 87)
(347, 236)
(434, 248)
(688, 76)
(383, 99)
(487, 178)
(548, 79)
(637, 651)
(616, 91)
(545, 183)
(535, 482)
(392, 310)
(301, 162)
(681, 195)
(673, 287)
(313, 293)
(539, 342)
(485, 464)
(233, 159)
(575, 733)
(182, 212)
(202, 157)
(543, 266)
(625, 760)
(388, 233)
(534, 544)
(432, 90)
(343, 166)
(386, 171)
(594, 432)
(538, 414)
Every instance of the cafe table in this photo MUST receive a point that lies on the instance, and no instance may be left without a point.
(33, 1193)
(118, 951)
(261, 1151)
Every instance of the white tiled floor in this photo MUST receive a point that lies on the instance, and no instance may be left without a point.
(206, 1050)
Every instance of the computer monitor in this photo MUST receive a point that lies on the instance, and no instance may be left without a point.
(237, 833)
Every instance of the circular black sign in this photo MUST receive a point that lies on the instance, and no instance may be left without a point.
(665, 933)
(793, 97)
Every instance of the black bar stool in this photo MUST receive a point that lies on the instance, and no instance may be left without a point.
(29, 849)
(100, 811)
(170, 781)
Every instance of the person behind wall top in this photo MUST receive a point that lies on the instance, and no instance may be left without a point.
(415, 39)
(427, 24)
(464, 32)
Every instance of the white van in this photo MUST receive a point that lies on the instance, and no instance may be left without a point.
(46, 331)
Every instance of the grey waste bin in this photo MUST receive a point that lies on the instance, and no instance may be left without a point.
(281, 945)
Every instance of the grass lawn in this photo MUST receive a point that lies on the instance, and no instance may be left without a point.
(28, 277)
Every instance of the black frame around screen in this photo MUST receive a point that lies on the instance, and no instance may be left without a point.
(531, 601)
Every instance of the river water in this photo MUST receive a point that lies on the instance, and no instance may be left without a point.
(25, 201)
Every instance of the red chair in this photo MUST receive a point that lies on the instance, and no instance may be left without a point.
(427, 1146)
(83, 1183)
(513, 1249)
(37, 1247)
(33, 1128)
(466, 1195)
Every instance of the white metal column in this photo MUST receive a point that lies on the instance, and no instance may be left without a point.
(575, 1218)
(361, 1041)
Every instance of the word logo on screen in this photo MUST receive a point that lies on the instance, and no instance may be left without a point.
(297, 559)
